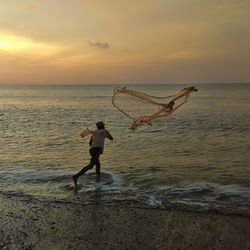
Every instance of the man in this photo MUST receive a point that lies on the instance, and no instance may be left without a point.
(96, 144)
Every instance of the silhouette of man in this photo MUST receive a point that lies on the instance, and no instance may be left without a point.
(96, 144)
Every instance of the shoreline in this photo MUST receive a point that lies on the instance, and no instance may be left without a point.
(129, 204)
(34, 224)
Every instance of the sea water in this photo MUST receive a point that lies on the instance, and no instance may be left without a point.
(197, 160)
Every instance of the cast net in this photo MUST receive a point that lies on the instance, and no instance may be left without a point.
(142, 108)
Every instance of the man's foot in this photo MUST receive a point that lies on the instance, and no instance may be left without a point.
(74, 180)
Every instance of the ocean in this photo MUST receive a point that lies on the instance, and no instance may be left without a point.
(198, 160)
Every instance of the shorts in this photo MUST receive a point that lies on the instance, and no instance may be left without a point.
(95, 152)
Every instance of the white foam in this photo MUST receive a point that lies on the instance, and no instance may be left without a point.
(234, 189)
(154, 201)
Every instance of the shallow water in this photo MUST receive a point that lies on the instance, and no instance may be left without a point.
(199, 159)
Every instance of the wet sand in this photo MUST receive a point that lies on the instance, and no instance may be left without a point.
(28, 223)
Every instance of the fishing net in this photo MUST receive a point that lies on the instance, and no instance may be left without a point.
(142, 108)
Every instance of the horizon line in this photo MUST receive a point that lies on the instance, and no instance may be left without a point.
(136, 83)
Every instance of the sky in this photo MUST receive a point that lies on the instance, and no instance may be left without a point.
(124, 41)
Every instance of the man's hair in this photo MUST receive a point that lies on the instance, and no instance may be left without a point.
(100, 125)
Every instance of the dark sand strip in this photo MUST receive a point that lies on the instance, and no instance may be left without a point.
(32, 224)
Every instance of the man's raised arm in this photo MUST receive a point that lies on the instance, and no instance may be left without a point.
(108, 135)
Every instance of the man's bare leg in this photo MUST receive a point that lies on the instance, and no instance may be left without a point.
(85, 169)
(98, 167)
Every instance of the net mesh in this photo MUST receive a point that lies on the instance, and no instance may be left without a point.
(142, 108)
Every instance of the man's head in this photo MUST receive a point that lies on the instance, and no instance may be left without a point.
(100, 125)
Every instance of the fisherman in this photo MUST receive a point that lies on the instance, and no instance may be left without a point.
(96, 144)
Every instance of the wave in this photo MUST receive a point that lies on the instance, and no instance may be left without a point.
(112, 189)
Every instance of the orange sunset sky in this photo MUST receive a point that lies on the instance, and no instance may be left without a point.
(118, 41)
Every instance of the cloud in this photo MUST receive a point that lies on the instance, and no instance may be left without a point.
(16, 44)
(101, 45)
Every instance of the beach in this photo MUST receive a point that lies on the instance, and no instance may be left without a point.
(31, 223)
(166, 83)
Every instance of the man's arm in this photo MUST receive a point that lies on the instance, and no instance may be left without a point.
(108, 135)
(91, 140)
